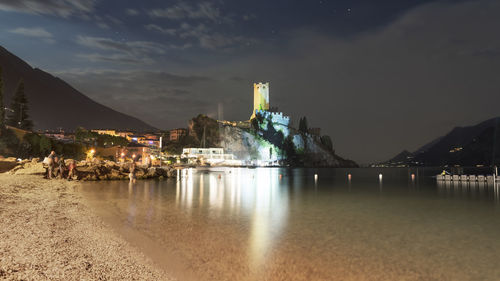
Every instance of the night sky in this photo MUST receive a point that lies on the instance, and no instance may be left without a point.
(377, 76)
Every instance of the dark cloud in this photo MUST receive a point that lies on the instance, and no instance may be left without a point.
(203, 36)
(132, 47)
(183, 10)
(62, 8)
(164, 99)
(125, 52)
(35, 32)
(132, 12)
(115, 58)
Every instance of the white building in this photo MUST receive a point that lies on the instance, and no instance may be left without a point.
(207, 155)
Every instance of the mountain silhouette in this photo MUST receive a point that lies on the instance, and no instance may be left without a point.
(55, 104)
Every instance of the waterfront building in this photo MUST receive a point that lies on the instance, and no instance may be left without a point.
(208, 155)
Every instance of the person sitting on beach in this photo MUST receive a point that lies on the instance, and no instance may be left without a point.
(131, 175)
(71, 169)
(55, 169)
(62, 168)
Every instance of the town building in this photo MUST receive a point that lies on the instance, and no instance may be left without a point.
(105, 132)
(136, 138)
(124, 134)
(176, 134)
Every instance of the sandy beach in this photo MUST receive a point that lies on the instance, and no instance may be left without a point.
(47, 232)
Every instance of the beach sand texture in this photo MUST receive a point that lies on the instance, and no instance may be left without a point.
(47, 232)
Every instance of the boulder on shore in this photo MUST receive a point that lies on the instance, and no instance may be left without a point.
(28, 168)
(109, 170)
(91, 171)
(7, 164)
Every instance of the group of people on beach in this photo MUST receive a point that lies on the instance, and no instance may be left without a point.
(56, 167)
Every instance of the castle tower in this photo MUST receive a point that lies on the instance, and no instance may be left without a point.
(260, 97)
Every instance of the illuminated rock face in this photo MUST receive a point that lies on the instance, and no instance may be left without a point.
(279, 121)
(260, 97)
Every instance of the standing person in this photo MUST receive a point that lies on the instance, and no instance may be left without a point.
(51, 163)
(52, 155)
(132, 172)
(71, 169)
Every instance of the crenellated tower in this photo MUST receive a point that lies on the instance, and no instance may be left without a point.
(260, 97)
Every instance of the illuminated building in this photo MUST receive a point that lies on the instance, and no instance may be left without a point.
(124, 134)
(208, 155)
(106, 132)
(260, 97)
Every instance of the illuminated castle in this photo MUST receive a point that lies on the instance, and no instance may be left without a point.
(261, 107)
(260, 97)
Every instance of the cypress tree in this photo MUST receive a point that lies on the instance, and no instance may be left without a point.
(19, 116)
(2, 107)
(303, 125)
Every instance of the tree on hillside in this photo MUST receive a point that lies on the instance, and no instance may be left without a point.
(206, 130)
(2, 107)
(303, 125)
(326, 141)
(18, 116)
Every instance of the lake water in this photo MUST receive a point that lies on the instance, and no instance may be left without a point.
(283, 224)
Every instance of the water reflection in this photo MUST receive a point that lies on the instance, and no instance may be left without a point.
(254, 193)
(291, 222)
(469, 189)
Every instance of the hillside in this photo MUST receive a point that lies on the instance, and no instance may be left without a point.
(55, 104)
(464, 146)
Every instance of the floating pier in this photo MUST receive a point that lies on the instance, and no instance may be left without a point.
(468, 178)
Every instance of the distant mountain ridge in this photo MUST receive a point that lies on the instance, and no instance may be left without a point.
(54, 104)
(464, 146)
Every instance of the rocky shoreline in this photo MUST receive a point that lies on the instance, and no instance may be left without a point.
(91, 170)
(48, 232)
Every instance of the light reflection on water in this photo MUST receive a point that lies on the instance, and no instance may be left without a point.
(253, 224)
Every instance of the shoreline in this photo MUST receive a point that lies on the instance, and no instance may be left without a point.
(48, 231)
